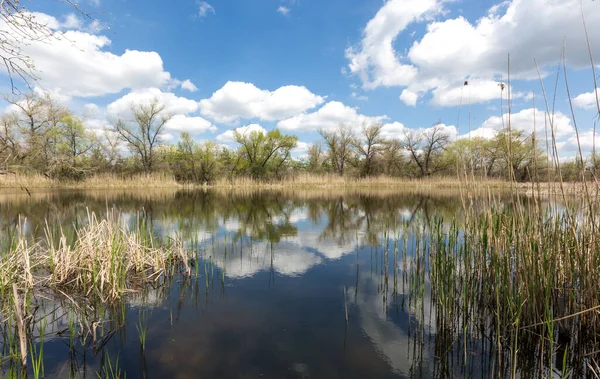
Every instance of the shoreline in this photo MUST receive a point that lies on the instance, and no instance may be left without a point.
(30, 184)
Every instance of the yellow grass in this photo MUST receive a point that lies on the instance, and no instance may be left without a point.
(105, 259)
(303, 181)
(102, 181)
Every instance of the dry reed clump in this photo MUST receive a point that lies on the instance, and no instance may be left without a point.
(105, 258)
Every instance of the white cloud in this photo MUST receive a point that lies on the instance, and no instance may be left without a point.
(409, 98)
(524, 120)
(455, 50)
(586, 100)
(173, 104)
(72, 22)
(91, 109)
(204, 8)
(477, 91)
(228, 137)
(239, 100)
(301, 149)
(376, 61)
(283, 10)
(78, 63)
(394, 130)
(193, 125)
(329, 117)
(189, 86)
(586, 140)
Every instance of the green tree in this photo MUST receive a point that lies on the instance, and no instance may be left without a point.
(264, 154)
(193, 162)
(518, 155)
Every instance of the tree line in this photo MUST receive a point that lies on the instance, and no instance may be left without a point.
(39, 135)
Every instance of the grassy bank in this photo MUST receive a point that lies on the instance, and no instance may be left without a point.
(301, 181)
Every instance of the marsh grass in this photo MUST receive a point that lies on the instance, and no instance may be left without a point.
(92, 266)
(104, 258)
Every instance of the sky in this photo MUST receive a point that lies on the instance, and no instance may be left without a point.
(305, 65)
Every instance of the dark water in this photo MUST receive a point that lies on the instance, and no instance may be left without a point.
(277, 272)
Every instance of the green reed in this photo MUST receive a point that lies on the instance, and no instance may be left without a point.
(142, 328)
(526, 272)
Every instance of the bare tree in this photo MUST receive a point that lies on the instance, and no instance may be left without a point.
(393, 157)
(339, 143)
(141, 134)
(369, 145)
(316, 157)
(425, 147)
(19, 28)
(37, 118)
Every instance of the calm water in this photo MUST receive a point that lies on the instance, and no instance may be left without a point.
(277, 271)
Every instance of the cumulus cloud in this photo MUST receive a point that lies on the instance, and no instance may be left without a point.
(457, 49)
(375, 61)
(395, 130)
(179, 108)
(586, 140)
(79, 63)
(173, 104)
(193, 125)
(283, 10)
(328, 117)
(477, 91)
(524, 120)
(586, 100)
(239, 100)
(228, 137)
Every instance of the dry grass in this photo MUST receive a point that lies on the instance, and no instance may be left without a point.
(104, 258)
(300, 181)
(103, 181)
(309, 181)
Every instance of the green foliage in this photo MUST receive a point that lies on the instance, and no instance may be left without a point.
(507, 154)
(264, 155)
(40, 136)
(192, 162)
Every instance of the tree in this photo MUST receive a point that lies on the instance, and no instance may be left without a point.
(369, 145)
(20, 28)
(426, 147)
(264, 154)
(10, 147)
(316, 158)
(518, 155)
(393, 158)
(339, 142)
(37, 119)
(141, 134)
(193, 162)
(74, 141)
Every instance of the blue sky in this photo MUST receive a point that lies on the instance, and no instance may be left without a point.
(301, 65)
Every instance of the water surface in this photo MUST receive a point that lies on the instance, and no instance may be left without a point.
(276, 275)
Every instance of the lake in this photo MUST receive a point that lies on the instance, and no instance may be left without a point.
(286, 284)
